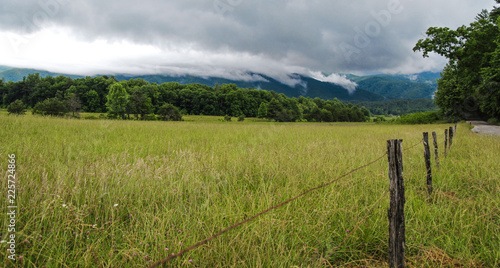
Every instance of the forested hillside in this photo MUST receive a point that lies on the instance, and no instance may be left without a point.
(308, 87)
(418, 86)
(141, 99)
(398, 106)
(370, 88)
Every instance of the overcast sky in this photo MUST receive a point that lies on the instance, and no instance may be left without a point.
(226, 38)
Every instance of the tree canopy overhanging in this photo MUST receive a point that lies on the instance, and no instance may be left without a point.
(470, 82)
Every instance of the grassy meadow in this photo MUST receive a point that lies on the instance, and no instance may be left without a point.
(103, 193)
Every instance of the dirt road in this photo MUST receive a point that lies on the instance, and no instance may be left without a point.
(482, 127)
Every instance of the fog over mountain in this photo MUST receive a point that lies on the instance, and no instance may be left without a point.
(326, 86)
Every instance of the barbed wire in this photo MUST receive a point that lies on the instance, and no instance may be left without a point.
(182, 252)
(367, 215)
(413, 146)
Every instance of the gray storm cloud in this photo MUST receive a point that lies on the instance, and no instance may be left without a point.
(232, 38)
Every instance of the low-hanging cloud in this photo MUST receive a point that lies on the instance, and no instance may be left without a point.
(227, 38)
(336, 79)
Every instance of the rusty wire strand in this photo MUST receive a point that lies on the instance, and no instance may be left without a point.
(261, 213)
(367, 215)
(413, 146)
(182, 252)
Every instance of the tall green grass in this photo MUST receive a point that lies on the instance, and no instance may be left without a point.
(176, 183)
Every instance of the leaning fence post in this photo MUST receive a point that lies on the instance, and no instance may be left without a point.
(436, 152)
(445, 141)
(427, 159)
(451, 137)
(396, 210)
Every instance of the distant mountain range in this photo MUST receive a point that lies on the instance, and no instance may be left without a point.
(370, 88)
(414, 86)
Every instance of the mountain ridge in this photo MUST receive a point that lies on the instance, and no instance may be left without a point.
(399, 86)
(370, 88)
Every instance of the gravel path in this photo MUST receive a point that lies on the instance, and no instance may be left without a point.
(482, 127)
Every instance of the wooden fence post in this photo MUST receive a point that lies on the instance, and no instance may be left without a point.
(451, 137)
(445, 141)
(397, 202)
(427, 159)
(436, 152)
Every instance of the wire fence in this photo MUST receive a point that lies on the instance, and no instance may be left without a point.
(355, 228)
(194, 246)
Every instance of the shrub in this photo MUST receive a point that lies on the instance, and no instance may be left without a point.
(169, 112)
(241, 118)
(17, 107)
(379, 119)
(112, 116)
(150, 117)
(419, 118)
(493, 121)
(52, 107)
(227, 118)
(90, 117)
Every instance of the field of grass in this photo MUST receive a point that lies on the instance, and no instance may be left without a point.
(108, 193)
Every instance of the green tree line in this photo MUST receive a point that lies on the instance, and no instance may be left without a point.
(398, 106)
(139, 99)
(470, 83)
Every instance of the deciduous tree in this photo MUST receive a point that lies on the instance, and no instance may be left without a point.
(117, 100)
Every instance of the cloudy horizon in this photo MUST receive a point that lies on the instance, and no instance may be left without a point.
(234, 39)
